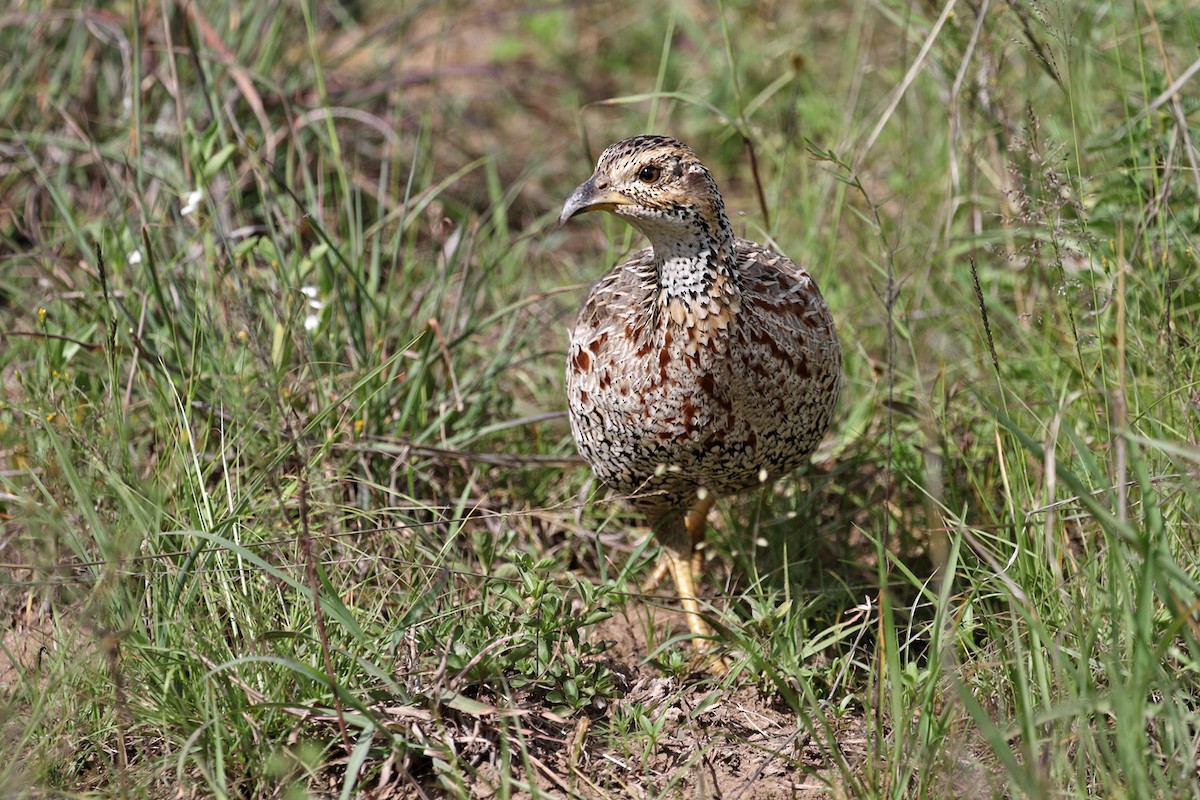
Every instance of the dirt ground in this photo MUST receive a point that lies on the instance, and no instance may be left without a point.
(716, 744)
(711, 742)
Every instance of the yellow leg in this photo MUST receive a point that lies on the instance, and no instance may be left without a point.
(696, 521)
(680, 567)
(656, 578)
(683, 559)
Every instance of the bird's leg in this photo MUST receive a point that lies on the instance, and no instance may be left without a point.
(679, 555)
(661, 568)
(696, 520)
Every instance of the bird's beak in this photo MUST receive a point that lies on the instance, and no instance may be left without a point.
(590, 197)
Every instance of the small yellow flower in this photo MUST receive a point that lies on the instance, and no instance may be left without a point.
(243, 337)
(41, 315)
(359, 425)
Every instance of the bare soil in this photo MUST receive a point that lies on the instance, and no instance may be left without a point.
(712, 741)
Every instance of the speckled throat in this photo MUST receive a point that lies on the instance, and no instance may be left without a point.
(692, 248)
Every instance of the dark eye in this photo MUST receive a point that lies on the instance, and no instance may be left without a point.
(649, 173)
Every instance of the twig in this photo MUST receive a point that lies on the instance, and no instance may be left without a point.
(762, 765)
(758, 189)
(91, 348)
(436, 327)
(402, 447)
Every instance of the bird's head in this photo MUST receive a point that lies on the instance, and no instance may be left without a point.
(660, 187)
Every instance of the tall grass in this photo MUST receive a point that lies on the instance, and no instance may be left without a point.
(288, 505)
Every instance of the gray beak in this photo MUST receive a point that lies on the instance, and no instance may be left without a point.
(590, 197)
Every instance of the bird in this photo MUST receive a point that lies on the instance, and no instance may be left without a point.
(703, 366)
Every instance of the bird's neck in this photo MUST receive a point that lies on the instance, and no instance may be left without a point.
(694, 261)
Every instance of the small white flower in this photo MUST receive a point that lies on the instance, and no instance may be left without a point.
(135, 258)
(191, 202)
(313, 319)
(313, 301)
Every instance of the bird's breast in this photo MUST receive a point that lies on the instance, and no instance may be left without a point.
(662, 375)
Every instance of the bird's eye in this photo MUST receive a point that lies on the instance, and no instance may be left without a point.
(649, 173)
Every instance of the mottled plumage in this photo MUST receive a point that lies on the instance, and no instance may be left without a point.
(705, 364)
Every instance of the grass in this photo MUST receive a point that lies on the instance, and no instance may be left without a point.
(288, 504)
